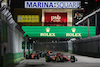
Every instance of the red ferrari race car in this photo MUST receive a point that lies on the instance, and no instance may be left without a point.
(56, 57)
(33, 56)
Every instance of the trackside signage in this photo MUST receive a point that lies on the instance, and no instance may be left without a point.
(59, 31)
(53, 4)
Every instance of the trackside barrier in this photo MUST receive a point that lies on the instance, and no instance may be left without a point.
(87, 46)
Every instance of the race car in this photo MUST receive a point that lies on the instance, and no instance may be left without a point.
(73, 59)
(49, 57)
(43, 53)
(58, 57)
(35, 55)
(49, 51)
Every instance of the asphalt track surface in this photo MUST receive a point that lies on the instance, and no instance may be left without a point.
(82, 61)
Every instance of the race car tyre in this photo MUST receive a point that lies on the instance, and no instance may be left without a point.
(47, 60)
(34, 57)
(37, 57)
(56, 59)
(72, 59)
(62, 60)
(27, 57)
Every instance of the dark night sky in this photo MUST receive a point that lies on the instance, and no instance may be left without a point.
(91, 6)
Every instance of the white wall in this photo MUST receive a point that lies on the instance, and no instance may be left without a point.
(15, 38)
(68, 11)
(14, 44)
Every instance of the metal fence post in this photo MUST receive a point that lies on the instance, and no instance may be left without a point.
(88, 26)
(96, 19)
(96, 23)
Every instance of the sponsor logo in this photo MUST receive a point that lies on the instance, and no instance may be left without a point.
(73, 34)
(54, 4)
(56, 18)
(19, 18)
(47, 29)
(47, 34)
(73, 30)
(78, 16)
(28, 18)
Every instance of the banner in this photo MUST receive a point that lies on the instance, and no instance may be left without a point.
(28, 18)
(55, 19)
(59, 31)
(53, 4)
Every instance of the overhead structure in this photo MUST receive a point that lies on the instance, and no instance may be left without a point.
(93, 13)
(58, 31)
